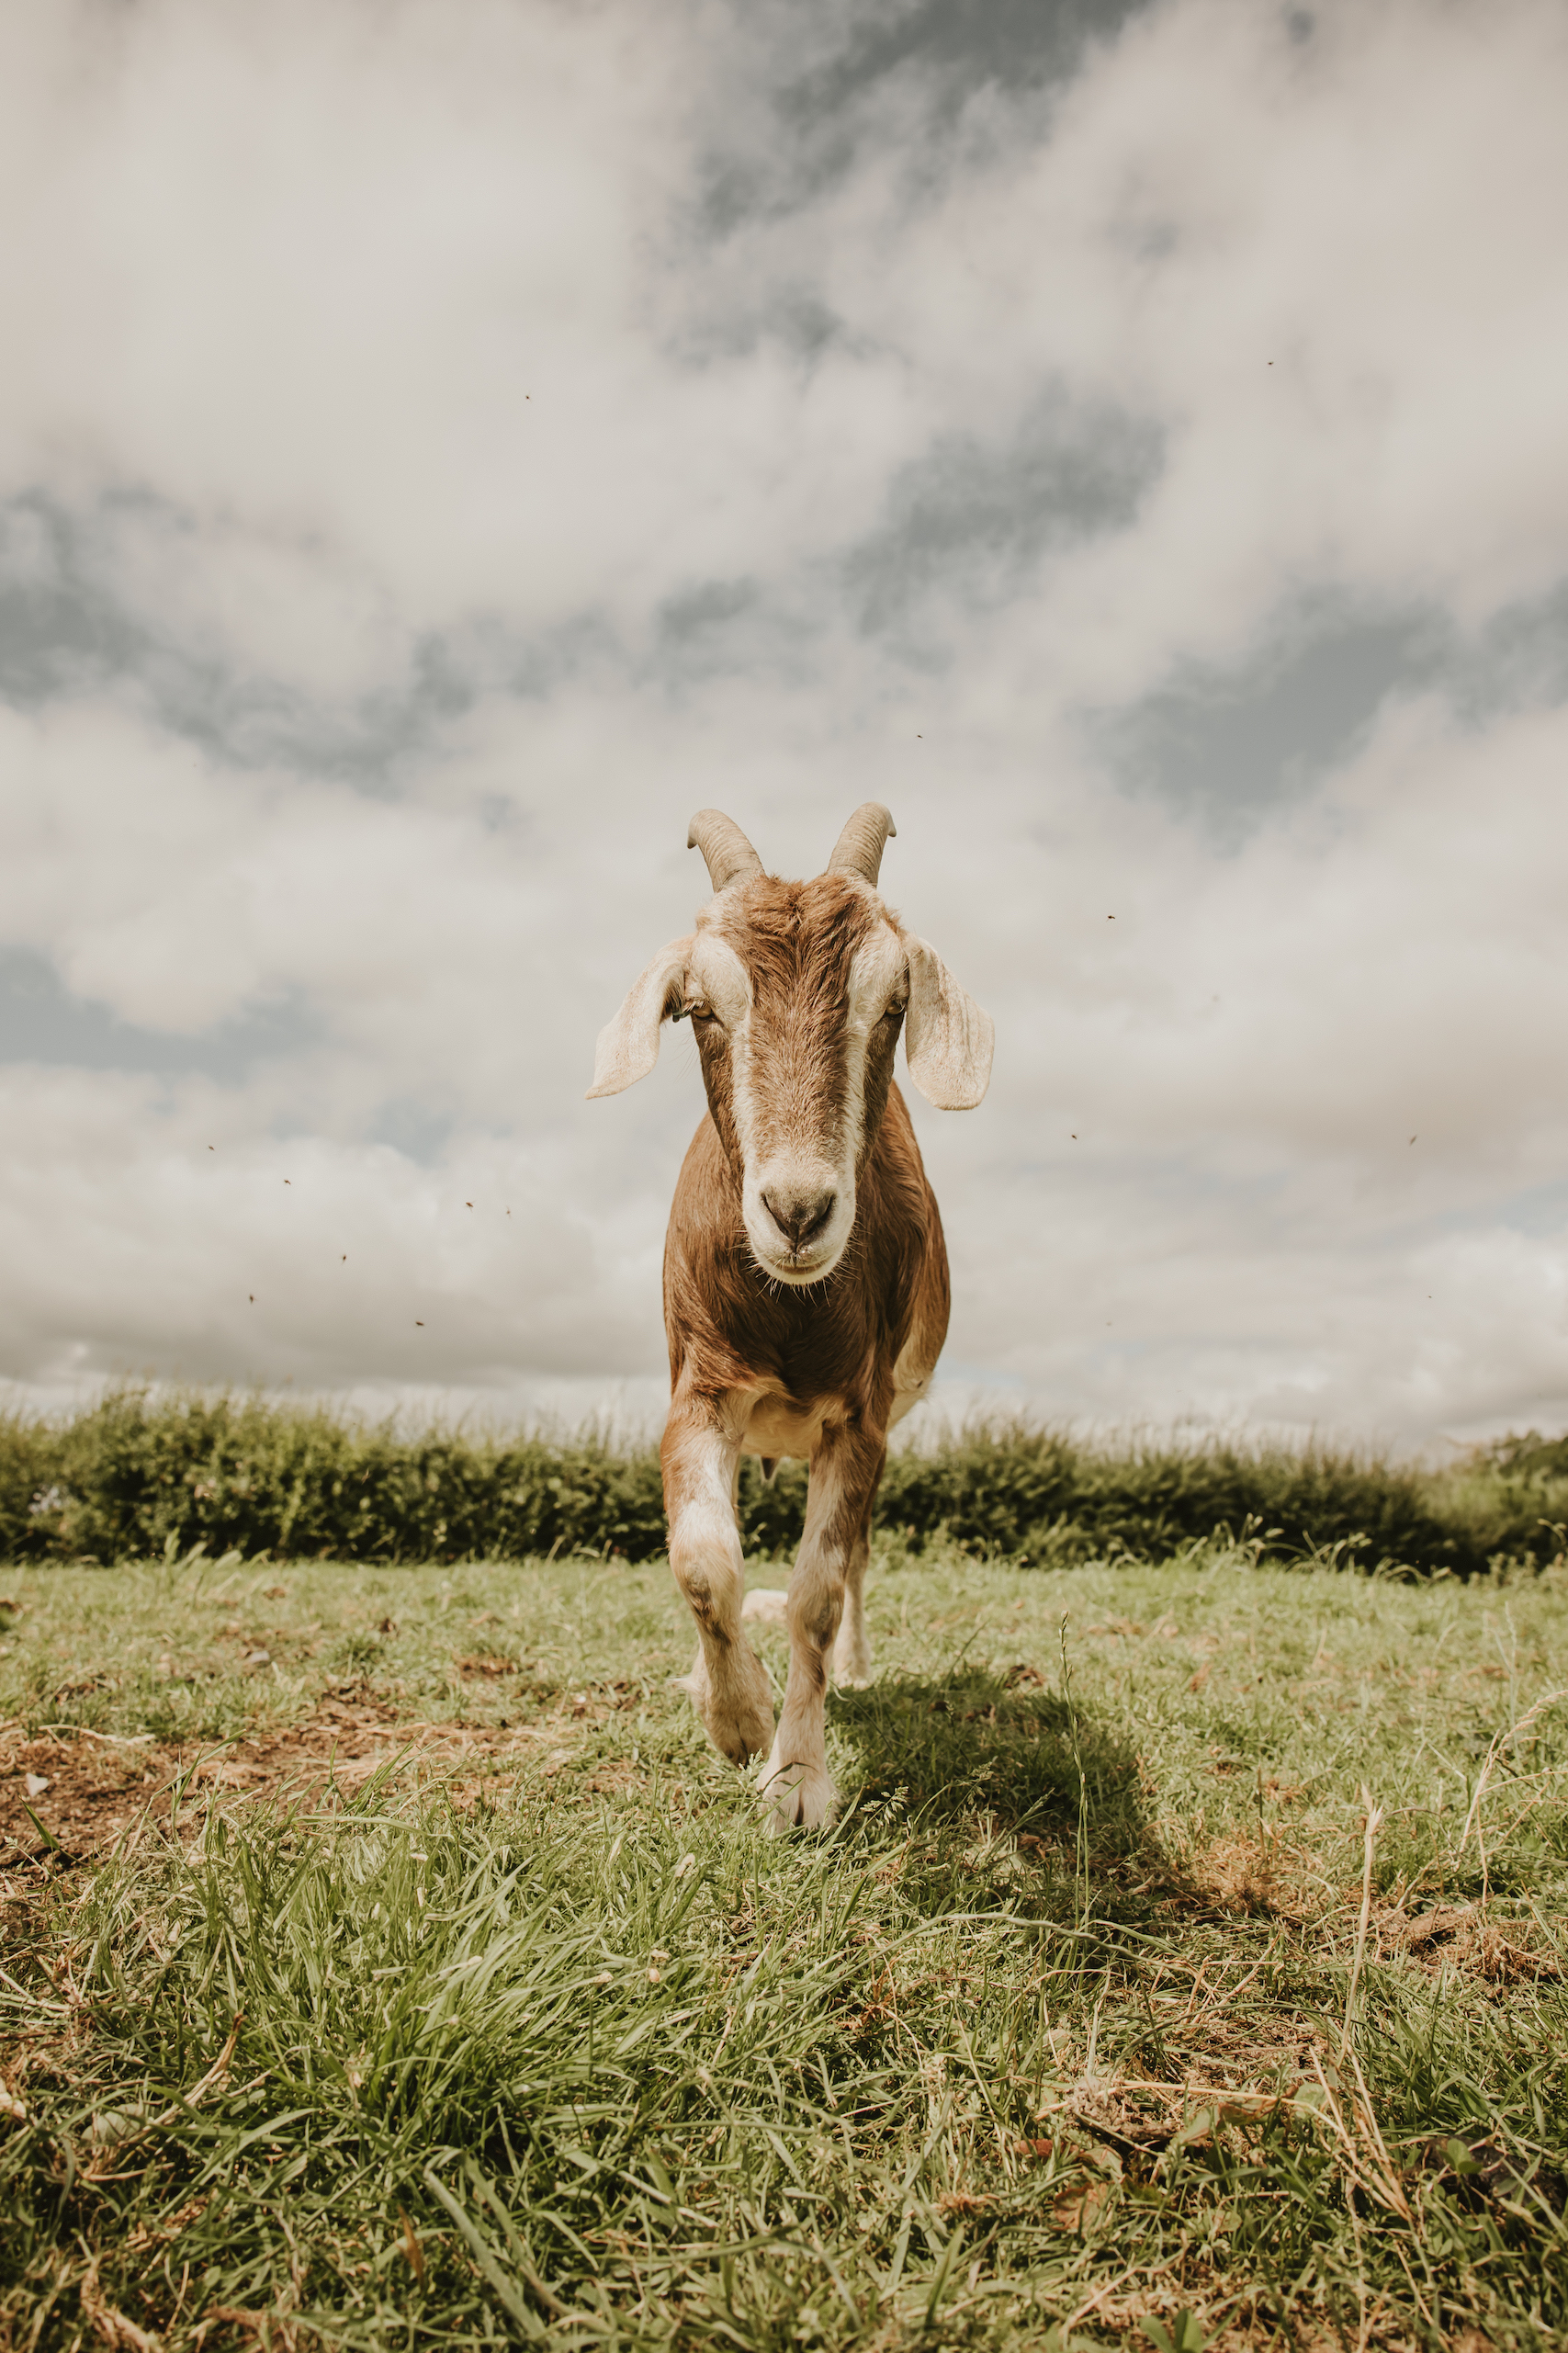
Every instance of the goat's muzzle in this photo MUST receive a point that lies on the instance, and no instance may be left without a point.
(802, 1216)
(798, 1220)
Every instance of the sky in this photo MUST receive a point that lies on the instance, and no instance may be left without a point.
(442, 449)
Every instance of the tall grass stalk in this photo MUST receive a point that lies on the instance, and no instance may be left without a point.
(1372, 1824)
(1080, 1850)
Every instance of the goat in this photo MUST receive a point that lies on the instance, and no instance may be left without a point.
(805, 1284)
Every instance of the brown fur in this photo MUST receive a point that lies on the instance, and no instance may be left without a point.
(835, 1343)
(820, 1358)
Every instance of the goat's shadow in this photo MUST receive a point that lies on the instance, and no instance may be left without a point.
(975, 1742)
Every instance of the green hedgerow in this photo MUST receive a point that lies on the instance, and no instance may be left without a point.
(142, 1474)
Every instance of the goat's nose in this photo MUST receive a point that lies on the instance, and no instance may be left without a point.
(799, 1217)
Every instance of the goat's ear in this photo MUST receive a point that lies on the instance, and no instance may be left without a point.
(947, 1038)
(628, 1045)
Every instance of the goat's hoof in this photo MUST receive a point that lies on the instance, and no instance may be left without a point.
(740, 1733)
(800, 1799)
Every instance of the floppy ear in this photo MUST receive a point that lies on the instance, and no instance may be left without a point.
(947, 1038)
(628, 1045)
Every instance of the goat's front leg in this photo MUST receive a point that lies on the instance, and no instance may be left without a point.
(845, 1473)
(727, 1684)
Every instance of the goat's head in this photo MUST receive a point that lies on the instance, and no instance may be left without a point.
(796, 992)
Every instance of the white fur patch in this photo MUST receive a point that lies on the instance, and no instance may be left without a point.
(722, 977)
(875, 971)
(875, 975)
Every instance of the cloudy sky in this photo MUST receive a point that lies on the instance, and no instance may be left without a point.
(441, 447)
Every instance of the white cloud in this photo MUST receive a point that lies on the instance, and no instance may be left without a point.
(301, 1258)
(1326, 267)
(440, 512)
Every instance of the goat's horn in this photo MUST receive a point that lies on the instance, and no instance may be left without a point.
(729, 855)
(861, 844)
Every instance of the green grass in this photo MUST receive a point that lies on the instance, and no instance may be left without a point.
(1099, 2012)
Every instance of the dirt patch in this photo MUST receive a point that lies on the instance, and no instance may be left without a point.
(1470, 1938)
(69, 1796)
(70, 1799)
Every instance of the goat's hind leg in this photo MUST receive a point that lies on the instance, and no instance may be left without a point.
(851, 1651)
(727, 1684)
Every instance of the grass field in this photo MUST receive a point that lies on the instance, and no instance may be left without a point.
(387, 1962)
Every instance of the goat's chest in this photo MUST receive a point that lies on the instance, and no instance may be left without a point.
(781, 1425)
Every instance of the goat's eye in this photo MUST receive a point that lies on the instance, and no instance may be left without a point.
(699, 1010)
(896, 1010)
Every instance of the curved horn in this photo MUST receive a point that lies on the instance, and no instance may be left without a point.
(861, 844)
(729, 855)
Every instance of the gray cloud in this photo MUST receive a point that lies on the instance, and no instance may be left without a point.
(962, 527)
(1232, 745)
(76, 620)
(970, 519)
(42, 1022)
(60, 634)
(1519, 657)
(962, 46)
(935, 56)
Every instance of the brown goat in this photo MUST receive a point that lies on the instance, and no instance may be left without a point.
(805, 1291)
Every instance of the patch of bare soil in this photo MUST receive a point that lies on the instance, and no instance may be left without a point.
(1469, 1937)
(67, 1798)
(1266, 1877)
(70, 1799)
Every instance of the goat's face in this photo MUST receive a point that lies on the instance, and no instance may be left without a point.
(796, 993)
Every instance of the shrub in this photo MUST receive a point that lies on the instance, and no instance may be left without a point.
(141, 1474)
